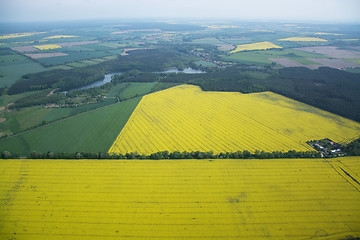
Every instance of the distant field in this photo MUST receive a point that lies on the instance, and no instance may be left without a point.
(47, 46)
(184, 118)
(93, 131)
(264, 57)
(44, 55)
(73, 57)
(332, 52)
(277, 199)
(324, 33)
(14, 66)
(205, 63)
(136, 89)
(16, 35)
(303, 39)
(61, 36)
(212, 41)
(255, 46)
(286, 62)
(93, 61)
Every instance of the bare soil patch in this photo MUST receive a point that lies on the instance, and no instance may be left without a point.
(25, 49)
(2, 108)
(226, 47)
(52, 92)
(2, 120)
(70, 44)
(291, 63)
(335, 63)
(330, 51)
(45, 55)
(7, 107)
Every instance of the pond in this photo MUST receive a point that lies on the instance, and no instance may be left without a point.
(107, 78)
(186, 70)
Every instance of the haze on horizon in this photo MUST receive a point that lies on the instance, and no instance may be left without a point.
(258, 10)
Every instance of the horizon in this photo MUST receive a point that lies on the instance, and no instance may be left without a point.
(301, 11)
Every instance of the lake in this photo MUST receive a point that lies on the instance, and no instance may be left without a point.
(107, 78)
(186, 70)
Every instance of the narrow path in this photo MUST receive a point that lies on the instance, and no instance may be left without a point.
(344, 172)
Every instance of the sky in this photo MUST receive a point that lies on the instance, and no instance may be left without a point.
(261, 10)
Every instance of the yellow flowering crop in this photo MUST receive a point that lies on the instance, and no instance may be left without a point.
(185, 118)
(277, 199)
(15, 35)
(47, 46)
(303, 39)
(60, 36)
(255, 46)
(324, 33)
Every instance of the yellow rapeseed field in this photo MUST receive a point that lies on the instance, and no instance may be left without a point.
(185, 118)
(60, 36)
(15, 35)
(255, 46)
(303, 39)
(324, 33)
(47, 46)
(277, 199)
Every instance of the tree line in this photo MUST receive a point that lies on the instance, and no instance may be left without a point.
(167, 155)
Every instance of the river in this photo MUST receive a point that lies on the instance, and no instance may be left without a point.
(107, 77)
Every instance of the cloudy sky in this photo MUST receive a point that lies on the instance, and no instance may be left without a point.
(294, 10)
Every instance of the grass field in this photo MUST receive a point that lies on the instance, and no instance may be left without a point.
(303, 39)
(212, 41)
(13, 66)
(93, 131)
(262, 57)
(24, 118)
(130, 90)
(184, 118)
(136, 89)
(205, 63)
(189, 199)
(61, 36)
(255, 46)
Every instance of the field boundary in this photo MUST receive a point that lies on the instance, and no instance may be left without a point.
(344, 172)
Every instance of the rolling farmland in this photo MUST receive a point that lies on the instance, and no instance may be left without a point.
(187, 199)
(303, 39)
(255, 46)
(61, 36)
(16, 35)
(92, 131)
(184, 118)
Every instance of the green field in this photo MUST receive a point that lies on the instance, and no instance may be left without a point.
(73, 57)
(205, 63)
(13, 66)
(212, 41)
(116, 91)
(262, 57)
(130, 90)
(136, 89)
(93, 131)
(24, 118)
